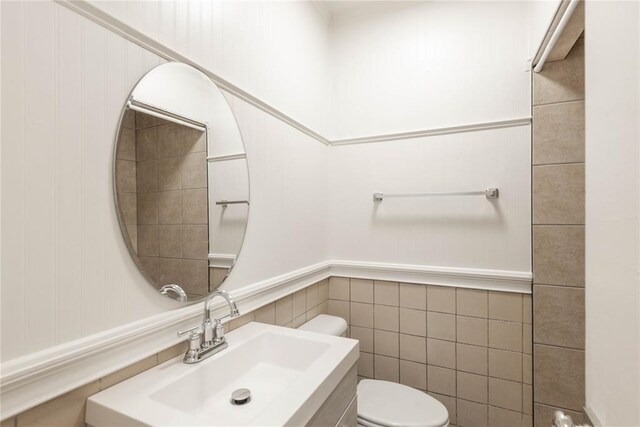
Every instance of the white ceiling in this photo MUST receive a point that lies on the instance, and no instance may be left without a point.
(338, 10)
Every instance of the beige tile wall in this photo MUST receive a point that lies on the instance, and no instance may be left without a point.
(68, 410)
(470, 349)
(172, 214)
(558, 237)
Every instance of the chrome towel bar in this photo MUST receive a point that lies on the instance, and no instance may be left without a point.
(489, 193)
(232, 202)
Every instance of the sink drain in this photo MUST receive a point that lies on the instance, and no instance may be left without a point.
(241, 396)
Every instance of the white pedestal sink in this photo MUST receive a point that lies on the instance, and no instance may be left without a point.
(289, 372)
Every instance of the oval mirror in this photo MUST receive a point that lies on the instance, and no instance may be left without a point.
(181, 181)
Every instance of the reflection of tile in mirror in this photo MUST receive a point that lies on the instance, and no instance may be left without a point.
(148, 240)
(146, 144)
(147, 208)
(126, 176)
(169, 140)
(170, 271)
(128, 207)
(195, 241)
(170, 241)
(127, 145)
(129, 119)
(169, 175)
(194, 170)
(170, 207)
(166, 176)
(216, 276)
(194, 206)
(132, 231)
(144, 120)
(192, 140)
(150, 267)
(195, 276)
(147, 176)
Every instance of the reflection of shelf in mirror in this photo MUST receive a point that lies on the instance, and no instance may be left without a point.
(224, 157)
(165, 114)
(225, 203)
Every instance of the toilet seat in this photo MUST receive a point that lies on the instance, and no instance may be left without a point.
(387, 404)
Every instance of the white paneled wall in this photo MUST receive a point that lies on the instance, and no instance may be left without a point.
(429, 65)
(277, 51)
(66, 272)
(457, 232)
(287, 223)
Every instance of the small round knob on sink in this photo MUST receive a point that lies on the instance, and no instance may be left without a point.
(241, 396)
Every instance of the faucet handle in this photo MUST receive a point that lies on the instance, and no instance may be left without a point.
(191, 331)
(191, 356)
(217, 331)
(232, 315)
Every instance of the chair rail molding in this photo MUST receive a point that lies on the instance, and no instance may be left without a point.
(34, 379)
(492, 280)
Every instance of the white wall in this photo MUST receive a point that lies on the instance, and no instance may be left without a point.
(429, 65)
(66, 272)
(612, 61)
(462, 232)
(540, 16)
(421, 66)
(275, 50)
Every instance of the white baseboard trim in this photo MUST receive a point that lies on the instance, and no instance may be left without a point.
(36, 378)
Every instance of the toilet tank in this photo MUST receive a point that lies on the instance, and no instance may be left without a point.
(326, 324)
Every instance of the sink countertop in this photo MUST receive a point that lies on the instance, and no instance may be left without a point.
(290, 374)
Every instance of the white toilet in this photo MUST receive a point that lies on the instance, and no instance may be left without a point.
(384, 403)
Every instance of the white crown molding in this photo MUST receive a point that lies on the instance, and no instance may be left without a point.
(97, 15)
(39, 377)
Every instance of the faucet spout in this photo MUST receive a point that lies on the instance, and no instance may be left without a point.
(230, 301)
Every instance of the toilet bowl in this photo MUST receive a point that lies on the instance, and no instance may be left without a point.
(384, 403)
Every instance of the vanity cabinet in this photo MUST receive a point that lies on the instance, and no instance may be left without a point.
(340, 408)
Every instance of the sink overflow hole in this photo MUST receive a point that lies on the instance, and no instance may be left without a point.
(241, 396)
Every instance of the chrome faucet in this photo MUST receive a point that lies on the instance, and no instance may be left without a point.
(208, 339)
(181, 295)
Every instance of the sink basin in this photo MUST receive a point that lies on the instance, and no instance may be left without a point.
(289, 372)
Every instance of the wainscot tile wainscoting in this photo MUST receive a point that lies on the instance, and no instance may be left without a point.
(470, 349)
(69, 409)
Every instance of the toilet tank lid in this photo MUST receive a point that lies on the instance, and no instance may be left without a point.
(326, 324)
